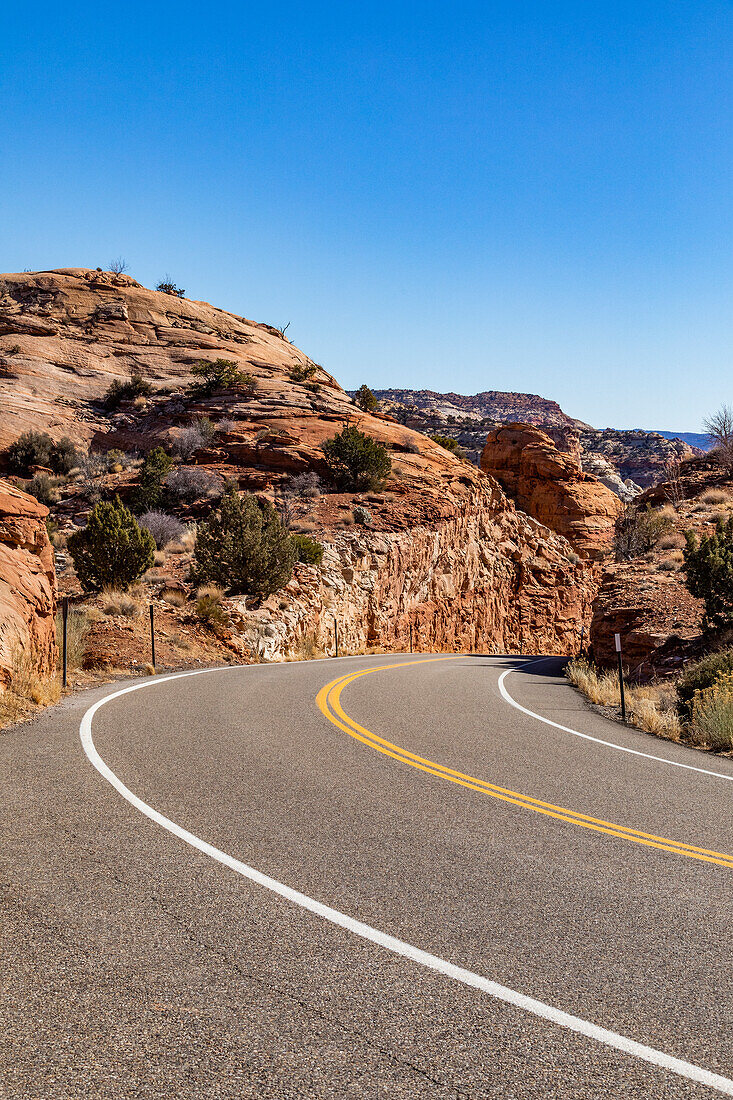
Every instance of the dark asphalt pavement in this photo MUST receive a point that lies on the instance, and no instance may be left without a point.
(133, 965)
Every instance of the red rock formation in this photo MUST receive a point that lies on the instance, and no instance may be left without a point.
(550, 486)
(27, 583)
(446, 551)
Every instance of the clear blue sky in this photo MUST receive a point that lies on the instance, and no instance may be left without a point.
(460, 196)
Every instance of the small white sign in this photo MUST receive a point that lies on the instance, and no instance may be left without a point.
(617, 639)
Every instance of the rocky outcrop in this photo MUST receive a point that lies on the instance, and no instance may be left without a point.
(493, 405)
(551, 486)
(486, 578)
(27, 585)
(639, 456)
(443, 550)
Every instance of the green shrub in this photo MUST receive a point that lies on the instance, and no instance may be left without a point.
(119, 391)
(638, 530)
(356, 461)
(302, 372)
(243, 547)
(169, 287)
(363, 516)
(712, 714)
(709, 574)
(38, 449)
(222, 374)
(43, 488)
(701, 675)
(307, 550)
(209, 607)
(365, 399)
(154, 471)
(112, 551)
(449, 444)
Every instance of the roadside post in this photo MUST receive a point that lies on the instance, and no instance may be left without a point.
(336, 637)
(410, 637)
(152, 635)
(65, 639)
(617, 639)
(582, 639)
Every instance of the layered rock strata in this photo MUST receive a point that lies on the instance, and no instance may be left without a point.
(27, 586)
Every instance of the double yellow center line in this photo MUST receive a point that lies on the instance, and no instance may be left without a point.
(329, 702)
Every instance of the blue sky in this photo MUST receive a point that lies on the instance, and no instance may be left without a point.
(515, 196)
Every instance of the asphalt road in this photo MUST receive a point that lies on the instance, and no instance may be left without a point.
(594, 881)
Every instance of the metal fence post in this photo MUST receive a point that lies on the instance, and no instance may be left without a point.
(336, 637)
(410, 637)
(617, 639)
(152, 635)
(65, 640)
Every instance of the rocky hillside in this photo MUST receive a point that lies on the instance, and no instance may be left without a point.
(441, 548)
(624, 460)
(645, 598)
(27, 587)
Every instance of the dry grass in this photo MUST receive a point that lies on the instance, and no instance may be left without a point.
(174, 597)
(27, 690)
(672, 541)
(651, 707)
(115, 602)
(308, 648)
(160, 558)
(712, 715)
(715, 496)
(77, 629)
(211, 592)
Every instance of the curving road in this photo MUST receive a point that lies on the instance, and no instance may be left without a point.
(375, 877)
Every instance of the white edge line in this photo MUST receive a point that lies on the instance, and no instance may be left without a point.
(587, 736)
(390, 943)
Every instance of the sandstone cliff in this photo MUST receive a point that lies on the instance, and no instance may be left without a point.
(444, 549)
(551, 486)
(27, 584)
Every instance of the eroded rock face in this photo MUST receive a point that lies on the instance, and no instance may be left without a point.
(484, 578)
(446, 551)
(27, 584)
(550, 485)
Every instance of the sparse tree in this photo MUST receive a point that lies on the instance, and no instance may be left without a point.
(222, 374)
(365, 399)
(167, 286)
(356, 461)
(719, 427)
(119, 266)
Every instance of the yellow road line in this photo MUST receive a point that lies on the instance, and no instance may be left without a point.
(329, 702)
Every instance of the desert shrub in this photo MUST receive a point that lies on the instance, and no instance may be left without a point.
(638, 529)
(307, 550)
(155, 470)
(701, 675)
(598, 687)
(209, 606)
(115, 602)
(305, 486)
(112, 551)
(365, 399)
(173, 596)
(119, 391)
(719, 427)
(43, 488)
(709, 574)
(226, 424)
(674, 541)
(38, 449)
(190, 440)
(712, 714)
(363, 515)
(222, 374)
(650, 707)
(163, 527)
(302, 372)
(77, 630)
(192, 482)
(356, 461)
(715, 496)
(167, 286)
(669, 565)
(244, 547)
(449, 444)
